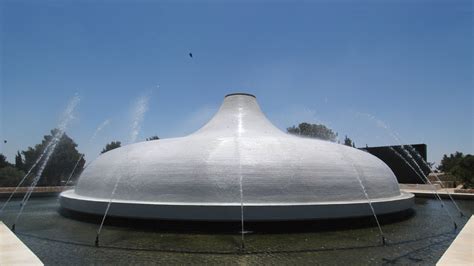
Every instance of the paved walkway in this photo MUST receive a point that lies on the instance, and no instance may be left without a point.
(426, 191)
(461, 251)
(5, 192)
(13, 251)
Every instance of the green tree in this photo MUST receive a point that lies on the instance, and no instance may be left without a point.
(447, 163)
(61, 162)
(19, 162)
(10, 176)
(349, 142)
(110, 146)
(314, 131)
(152, 138)
(3, 161)
(460, 166)
(464, 170)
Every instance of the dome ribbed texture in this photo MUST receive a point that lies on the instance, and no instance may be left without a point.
(238, 143)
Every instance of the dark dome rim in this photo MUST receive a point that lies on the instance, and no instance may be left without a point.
(240, 93)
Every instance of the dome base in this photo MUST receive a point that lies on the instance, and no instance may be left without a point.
(231, 212)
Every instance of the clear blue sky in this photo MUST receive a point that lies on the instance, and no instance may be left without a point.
(407, 63)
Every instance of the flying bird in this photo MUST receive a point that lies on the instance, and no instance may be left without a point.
(5, 141)
(191, 55)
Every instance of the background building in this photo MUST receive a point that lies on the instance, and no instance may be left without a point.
(407, 161)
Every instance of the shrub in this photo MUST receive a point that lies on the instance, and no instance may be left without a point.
(10, 176)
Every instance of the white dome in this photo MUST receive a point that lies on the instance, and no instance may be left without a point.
(239, 143)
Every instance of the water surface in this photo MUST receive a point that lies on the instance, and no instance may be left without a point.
(420, 236)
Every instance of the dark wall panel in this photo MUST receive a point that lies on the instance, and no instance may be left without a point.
(407, 162)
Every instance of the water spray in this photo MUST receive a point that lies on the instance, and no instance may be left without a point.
(417, 154)
(66, 118)
(99, 128)
(397, 139)
(359, 174)
(139, 110)
(424, 179)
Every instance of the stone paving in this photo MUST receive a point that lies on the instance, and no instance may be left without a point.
(13, 251)
(461, 251)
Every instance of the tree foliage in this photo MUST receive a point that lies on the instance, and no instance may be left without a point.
(465, 171)
(19, 162)
(349, 142)
(110, 146)
(61, 162)
(459, 165)
(155, 137)
(3, 161)
(447, 163)
(58, 168)
(314, 131)
(10, 176)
